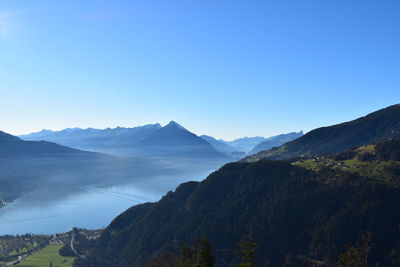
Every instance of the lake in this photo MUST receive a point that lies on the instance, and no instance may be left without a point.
(49, 211)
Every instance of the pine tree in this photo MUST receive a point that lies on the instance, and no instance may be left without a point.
(206, 257)
(247, 254)
(187, 257)
(357, 256)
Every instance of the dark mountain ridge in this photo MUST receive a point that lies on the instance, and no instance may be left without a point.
(375, 127)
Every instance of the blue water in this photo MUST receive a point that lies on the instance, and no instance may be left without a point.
(49, 211)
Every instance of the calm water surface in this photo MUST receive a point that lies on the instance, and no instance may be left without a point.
(51, 211)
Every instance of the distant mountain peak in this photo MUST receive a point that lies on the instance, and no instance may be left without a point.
(175, 124)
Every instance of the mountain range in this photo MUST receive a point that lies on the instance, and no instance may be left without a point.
(107, 140)
(325, 197)
(152, 140)
(172, 140)
(306, 211)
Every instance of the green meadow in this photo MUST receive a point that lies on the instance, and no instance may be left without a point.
(46, 257)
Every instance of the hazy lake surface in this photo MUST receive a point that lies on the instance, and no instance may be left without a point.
(51, 211)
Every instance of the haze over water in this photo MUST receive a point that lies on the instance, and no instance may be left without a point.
(47, 211)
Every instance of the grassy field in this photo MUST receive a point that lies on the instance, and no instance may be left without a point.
(47, 257)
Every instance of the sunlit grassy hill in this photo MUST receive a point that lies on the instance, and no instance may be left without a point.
(377, 162)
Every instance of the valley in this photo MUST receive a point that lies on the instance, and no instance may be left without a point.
(199, 133)
(183, 189)
(305, 211)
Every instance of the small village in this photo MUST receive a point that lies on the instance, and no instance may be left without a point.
(13, 249)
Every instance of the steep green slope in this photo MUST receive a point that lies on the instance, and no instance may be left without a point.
(375, 127)
(286, 208)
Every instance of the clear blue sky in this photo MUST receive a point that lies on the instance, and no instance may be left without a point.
(227, 68)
